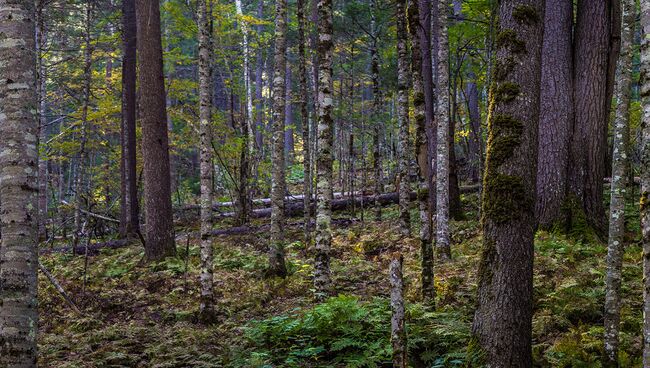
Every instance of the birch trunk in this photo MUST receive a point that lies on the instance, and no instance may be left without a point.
(645, 174)
(304, 119)
(18, 186)
(41, 44)
(322, 282)
(398, 325)
(277, 266)
(248, 151)
(403, 151)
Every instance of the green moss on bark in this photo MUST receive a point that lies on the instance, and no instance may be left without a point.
(505, 197)
(488, 262)
(525, 14)
(506, 92)
(508, 39)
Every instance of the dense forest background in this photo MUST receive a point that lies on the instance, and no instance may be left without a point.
(319, 183)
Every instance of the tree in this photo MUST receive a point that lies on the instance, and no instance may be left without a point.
(155, 145)
(403, 151)
(645, 174)
(442, 142)
(205, 117)
(130, 222)
(41, 45)
(376, 109)
(304, 120)
(19, 186)
(556, 113)
(503, 319)
(322, 282)
(277, 266)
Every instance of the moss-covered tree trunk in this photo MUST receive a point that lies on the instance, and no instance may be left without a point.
(18, 186)
(615, 245)
(155, 142)
(556, 113)
(277, 265)
(403, 151)
(442, 142)
(503, 319)
(322, 282)
(645, 174)
(206, 167)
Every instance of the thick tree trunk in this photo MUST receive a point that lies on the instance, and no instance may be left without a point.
(403, 146)
(595, 51)
(398, 319)
(130, 222)
(19, 186)
(645, 174)
(556, 113)
(503, 320)
(442, 144)
(322, 281)
(206, 167)
(155, 145)
(615, 245)
(304, 120)
(277, 266)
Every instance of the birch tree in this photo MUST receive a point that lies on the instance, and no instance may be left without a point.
(403, 151)
(304, 120)
(18, 185)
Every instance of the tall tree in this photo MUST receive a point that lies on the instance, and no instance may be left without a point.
(645, 174)
(403, 151)
(304, 120)
(130, 222)
(205, 132)
(155, 144)
(556, 113)
(322, 282)
(19, 186)
(376, 109)
(442, 143)
(277, 266)
(41, 44)
(503, 320)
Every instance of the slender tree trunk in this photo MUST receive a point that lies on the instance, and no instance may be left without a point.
(155, 144)
(376, 109)
(304, 119)
(398, 320)
(19, 186)
(442, 146)
(403, 179)
(645, 174)
(615, 245)
(41, 44)
(503, 320)
(130, 220)
(205, 117)
(288, 118)
(475, 123)
(259, 67)
(322, 282)
(278, 185)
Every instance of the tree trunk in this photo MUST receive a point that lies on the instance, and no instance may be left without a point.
(259, 67)
(595, 51)
(556, 113)
(615, 245)
(442, 145)
(19, 186)
(475, 127)
(645, 174)
(322, 282)
(403, 172)
(277, 266)
(304, 120)
(130, 221)
(503, 320)
(155, 145)
(205, 131)
(376, 108)
(41, 44)
(398, 319)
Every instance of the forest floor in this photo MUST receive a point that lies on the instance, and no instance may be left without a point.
(138, 315)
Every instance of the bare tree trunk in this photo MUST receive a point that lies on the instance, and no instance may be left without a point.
(442, 144)
(277, 266)
(155, 143)
(503, 319)
(41, 44)
(475, 127)
(615, 244)
(403, 180)
(645, 174)
(376, 108)
(19, 186)
(322, 282)
(304, 120)
(398, 325)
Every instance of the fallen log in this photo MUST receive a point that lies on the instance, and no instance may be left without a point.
(93, 249)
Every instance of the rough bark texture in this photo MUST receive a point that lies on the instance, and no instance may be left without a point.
(277, 266)
(442, 144)
(595, 52)
(398, 320)
(556, 113)
(322, 282)
(159, 228)
(403, 151)
(304, 119)
(41, 44)
(503, 319)
(206, 167)
(376, 109)
(129, 222)
(645, 174)
(18, 186)
(475, 159)
(421, 153)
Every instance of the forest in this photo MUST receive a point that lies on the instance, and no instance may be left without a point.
(320, 183)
